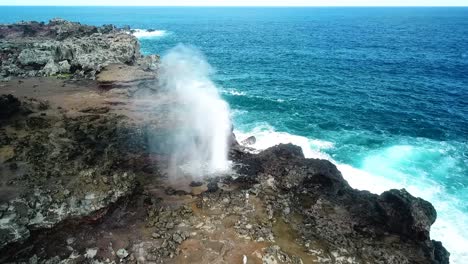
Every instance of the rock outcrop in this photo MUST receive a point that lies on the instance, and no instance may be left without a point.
(79, 182)
(351, 226)
(61, 47)
(56, 167)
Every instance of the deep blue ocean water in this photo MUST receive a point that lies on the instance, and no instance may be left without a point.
(381, 92)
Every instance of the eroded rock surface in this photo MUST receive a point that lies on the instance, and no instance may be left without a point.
(57, 167)
(63, 48)
(79, 182)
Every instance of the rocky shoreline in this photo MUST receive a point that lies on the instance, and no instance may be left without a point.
(63, 48)
(79, 183)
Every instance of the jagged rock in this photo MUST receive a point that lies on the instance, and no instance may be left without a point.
(50, 68)
(122, 253)
(65, 29)
(64, 170)
(149, 63)
(389, 228)
(36, 49)
(212, 186)
(121, 75)
(408, 215)
(64, 66)
(440, 253)
(70, 168)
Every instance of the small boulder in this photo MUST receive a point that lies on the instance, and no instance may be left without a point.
(407, 215)
(440, 253)
(91, 253)
(35, 57)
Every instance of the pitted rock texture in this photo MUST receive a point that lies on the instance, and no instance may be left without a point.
(82, 187)
(56, 167)
(62, 48)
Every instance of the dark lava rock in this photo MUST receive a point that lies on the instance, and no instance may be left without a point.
(249, 141)
(64, 167)
(212, 186)
(196, 183)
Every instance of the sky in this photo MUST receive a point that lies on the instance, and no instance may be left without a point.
(239, 2)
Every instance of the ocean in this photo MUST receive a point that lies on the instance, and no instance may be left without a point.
(380, 92)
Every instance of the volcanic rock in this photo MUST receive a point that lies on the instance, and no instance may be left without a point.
(65, 168)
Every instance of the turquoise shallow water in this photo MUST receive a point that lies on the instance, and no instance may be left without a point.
(382, 92)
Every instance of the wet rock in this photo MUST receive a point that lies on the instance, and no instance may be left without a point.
(212, 186)
(195, 184)
(408, 215)
(177, 238)
(96, 110)
(50, 68)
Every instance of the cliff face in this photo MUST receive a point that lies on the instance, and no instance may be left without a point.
(79, 184)
(61, 47)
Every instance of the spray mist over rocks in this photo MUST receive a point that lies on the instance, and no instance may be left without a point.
(200, 142)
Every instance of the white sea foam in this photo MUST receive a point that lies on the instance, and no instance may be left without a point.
(382, 171)
(143, 33)
(237, 112)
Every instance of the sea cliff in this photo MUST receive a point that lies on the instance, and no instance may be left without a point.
(79, 183)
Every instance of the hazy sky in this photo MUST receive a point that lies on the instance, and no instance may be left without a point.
(242, 2)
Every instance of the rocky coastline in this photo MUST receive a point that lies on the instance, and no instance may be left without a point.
(79, 183)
